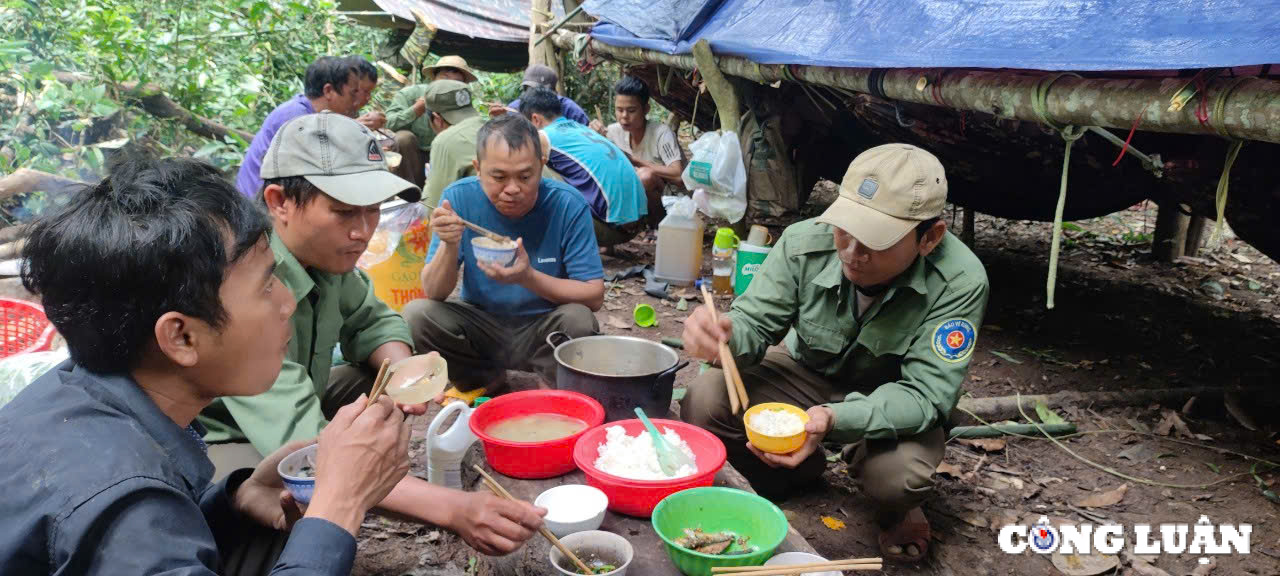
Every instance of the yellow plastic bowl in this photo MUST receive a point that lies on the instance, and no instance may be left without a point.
(775, 444)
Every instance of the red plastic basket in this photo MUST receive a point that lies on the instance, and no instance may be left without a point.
(24, 329)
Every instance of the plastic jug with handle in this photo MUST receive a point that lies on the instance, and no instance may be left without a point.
(445, 450)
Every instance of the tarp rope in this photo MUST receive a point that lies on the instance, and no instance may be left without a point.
(1219, 119)
(1040, 104)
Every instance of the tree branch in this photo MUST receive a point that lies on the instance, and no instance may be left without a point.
(152, 99)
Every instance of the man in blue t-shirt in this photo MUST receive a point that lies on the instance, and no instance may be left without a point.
(554, 283)
(595, 166)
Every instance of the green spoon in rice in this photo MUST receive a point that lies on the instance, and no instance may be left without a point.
(669, 458)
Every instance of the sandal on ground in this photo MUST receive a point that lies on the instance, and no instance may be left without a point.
(913, 531)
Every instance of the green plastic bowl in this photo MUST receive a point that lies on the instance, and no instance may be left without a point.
(715, 509)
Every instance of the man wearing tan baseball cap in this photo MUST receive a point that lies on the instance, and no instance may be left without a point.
(409, 116)
(879, 308)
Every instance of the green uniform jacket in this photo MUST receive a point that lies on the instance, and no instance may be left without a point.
(451, 158)
(400, 115)
(332, 309)
(902, 364)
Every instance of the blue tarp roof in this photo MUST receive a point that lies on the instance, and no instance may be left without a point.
(1034, 34)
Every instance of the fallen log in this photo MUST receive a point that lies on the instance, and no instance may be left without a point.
(154, 101)
(25, 180)
(1250, 107)
(996, 408)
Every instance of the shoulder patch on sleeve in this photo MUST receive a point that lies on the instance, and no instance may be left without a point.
(953, 339)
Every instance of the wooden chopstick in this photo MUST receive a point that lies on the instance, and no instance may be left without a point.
(379, 382)
(497, 488)
(793, 569)
(487, 233)
(732, 378)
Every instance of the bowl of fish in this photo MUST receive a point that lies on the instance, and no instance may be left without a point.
(493, 252)
(775, 427)
(712, 527)
(621, 460)
(605, 553)
(531, 434)
(298, 470)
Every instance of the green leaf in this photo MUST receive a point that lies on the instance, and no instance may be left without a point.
(1214, 467)
(679, 393)
(1073, 227)
(1005, 357)
(1048, 416)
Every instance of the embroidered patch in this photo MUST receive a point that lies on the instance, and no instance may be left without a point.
(868, 188)
(953, 340)
(462, 97)
(375, 153)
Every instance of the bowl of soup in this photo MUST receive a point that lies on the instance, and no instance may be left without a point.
(493, 252)
(531, 434)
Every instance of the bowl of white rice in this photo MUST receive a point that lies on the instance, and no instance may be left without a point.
(775, 427)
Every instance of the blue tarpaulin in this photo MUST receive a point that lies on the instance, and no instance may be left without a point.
(1031, 34)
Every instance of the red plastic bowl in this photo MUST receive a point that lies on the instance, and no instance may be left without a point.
(638, 497)
(533, 460)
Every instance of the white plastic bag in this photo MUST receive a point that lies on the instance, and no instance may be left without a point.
(682, 207)
(717, 176)
(17, 372)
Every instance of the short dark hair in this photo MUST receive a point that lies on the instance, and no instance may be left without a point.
(363, 68)
(632, 86)
(296, 188)
(923, 227)
(150, 238)
(514, 128)
(541, 101)
(327, 70)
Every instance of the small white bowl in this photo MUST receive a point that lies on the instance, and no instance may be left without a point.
(290, 469)
(572, 508)
(593, 542)
(794, 558)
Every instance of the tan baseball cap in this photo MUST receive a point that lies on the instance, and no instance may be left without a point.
(886, 192)
(450, 62)
(450, 99)
(339, 156)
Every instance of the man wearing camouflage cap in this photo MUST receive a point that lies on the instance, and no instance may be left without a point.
(408, 116)
(879, 308)
(455, 123)
(325, 180)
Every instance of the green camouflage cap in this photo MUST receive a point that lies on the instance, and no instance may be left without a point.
(450, 99)
(339, 156)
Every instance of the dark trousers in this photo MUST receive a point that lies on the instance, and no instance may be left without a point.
(896, 474)
(412, 159)
(480, 347)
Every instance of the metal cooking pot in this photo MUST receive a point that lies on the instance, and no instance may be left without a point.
(621, 372)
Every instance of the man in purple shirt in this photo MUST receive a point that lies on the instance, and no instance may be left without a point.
(331, 84)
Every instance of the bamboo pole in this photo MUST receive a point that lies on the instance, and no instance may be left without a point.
(1250, 112)
(722, 90)
(543, 53)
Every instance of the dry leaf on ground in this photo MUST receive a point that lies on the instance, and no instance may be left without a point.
(950, 469)
(615, 322)
(985, 444)
(1205, 569)
(833, 523)
(1084, 564)
(1172, 421)
(1105, 498)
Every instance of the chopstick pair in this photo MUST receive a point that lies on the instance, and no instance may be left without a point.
(732, 378)
(379, 383)
(502, 493)
(849, 565)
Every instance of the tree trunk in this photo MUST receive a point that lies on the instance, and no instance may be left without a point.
(997, 408)
(544, 53)
(25, 180)
(722, 91)
(1195, 235)
(968, 237)
(153, 99)
(1170, 236)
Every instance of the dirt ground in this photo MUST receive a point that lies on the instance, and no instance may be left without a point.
(1122, 321)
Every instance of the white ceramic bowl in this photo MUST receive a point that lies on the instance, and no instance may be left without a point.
(794, 558)
(290, 468)
(585, 544)
(572, 508)
(496, 255)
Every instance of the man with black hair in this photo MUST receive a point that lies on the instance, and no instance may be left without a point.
(160, 279)
(542, 77)
(652, 146)
(325, 181)
(878, 307)
(593, 165)
(367, 75)
(330, 84)
(554, 283)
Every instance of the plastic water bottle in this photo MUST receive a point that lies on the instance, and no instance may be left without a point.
(446, 449)
(722, 261)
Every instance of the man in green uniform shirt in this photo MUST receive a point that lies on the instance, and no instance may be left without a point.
(408, 117)
(456, 123)
(880, 307)
(324, 181)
